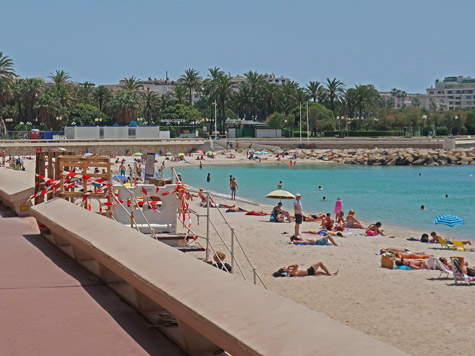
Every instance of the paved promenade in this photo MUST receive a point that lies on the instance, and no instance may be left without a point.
(51, 306)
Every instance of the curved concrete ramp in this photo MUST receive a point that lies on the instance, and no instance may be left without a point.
(213, 309)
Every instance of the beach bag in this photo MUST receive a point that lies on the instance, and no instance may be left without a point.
(387, 262)
(425, 238)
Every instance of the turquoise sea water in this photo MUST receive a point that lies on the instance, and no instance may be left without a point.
(392, 195)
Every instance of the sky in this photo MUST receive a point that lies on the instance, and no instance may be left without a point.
(404, 44)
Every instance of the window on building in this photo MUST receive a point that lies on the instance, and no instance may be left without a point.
(449, 91)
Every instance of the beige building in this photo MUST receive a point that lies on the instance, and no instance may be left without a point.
(453, 93)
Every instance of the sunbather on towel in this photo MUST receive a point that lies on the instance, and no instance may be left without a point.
(414, 264)
(321, 241)
(257, 213)
(313, 270)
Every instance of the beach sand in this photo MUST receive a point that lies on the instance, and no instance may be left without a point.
(415, 311)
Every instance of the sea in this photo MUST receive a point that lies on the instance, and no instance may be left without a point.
(393, 195)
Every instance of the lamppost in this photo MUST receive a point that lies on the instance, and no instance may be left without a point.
(456, 122)
(424, 118)
(139, 120)
(300, 115)
(98, 119)
(215, 118)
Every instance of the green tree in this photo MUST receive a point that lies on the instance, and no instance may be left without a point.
(191, 80)
(220, 89)
(60, 78)
(180, 114)
(7, 72)
(125, 106)
(85, 92)
(288, 97)
(47, 108)
(334, 89)
(179, 94)
(101, 95)
(150, 100)
(86, 114)
(313, 90)
(131, 84)
(27, 91)
(275, 121)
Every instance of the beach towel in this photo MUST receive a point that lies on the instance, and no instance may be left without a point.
(255, 213)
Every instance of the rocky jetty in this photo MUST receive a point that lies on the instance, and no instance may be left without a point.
(391, 157)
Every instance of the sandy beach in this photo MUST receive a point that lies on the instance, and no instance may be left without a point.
(415, 311)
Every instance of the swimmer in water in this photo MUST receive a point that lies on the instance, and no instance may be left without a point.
(423, 207)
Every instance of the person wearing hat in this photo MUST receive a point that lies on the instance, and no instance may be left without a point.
(298, 213)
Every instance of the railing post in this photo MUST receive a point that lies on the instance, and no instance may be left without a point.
(132, 219)
(254, 272)
(207, 226)
(232, 249)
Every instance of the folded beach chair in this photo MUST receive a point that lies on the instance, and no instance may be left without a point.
(434, 263)
(458, 273)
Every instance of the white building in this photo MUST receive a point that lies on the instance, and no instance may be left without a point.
(453, 93)
(114, 132)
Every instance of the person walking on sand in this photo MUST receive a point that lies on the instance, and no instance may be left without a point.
(298, 213)
(234, 188)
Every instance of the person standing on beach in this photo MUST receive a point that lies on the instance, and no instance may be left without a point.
(234, 188)
(122, 169)
(279, 186)
(298, 214)
(208, 178)
(338, 206)
(4, 157)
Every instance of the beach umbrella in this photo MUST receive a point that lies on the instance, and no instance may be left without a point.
(200, 152)
(181, 154)
(138, 154)
(448, 220)
(209, 152)
(280, 194)
(88, 154)
(169, 153)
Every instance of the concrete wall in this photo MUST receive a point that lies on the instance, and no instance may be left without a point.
(264, 133)
(147, 132)
(111, 132)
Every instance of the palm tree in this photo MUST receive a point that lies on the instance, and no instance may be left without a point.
(65, 96)
(27, 92)
(351, 101)
(256, 83)
(334, 89)
(242, 100)
(7, 72)
(101, 94)
(125, 106)
(271, 94)
(288, 96)
(180, 93)
(60, 78)
(150, 100)
(131, 84)
(6, 93)
(313, 90)
(47, 108)
(85, 92)
(191, 80)
(221, 91)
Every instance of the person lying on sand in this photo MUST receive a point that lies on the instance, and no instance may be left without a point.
(351, 221)
(414, 264)
(444, 240)
(324, 232)
(321, 241)
(313, 270)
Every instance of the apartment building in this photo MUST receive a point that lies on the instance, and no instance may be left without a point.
(453, 93)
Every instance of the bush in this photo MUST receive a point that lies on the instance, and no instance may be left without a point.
(364, 133)
(442, 131)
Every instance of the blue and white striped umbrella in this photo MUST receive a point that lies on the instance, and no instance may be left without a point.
(449, 220)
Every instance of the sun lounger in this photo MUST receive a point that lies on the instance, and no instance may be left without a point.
(434, 263)
(446, 245)
(458, 273)
(460, 247)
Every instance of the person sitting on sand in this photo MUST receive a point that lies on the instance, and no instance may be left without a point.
(313, 270)
(219, 263)
(443, 240)
(278, 212)
(351, 221)
(375, 230)
(321, 241)
(327, 223)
